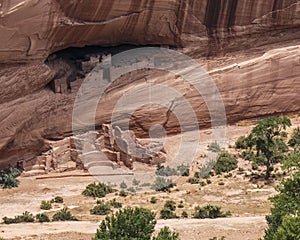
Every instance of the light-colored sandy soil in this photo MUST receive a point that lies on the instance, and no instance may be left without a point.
(247, 201)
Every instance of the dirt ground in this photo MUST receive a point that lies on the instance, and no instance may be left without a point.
(247, 201)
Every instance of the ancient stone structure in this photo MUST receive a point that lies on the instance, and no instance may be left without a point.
(256, 69)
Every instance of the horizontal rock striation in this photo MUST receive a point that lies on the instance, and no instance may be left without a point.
(37, 93)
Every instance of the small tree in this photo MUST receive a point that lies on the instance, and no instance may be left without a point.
(268, 139)
(166, 234)
(97, 190)
(127, 224)
(226, 162)
(8, 178)
(295, 138)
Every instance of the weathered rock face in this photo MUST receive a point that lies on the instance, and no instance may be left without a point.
(32, 109)
(32, 29)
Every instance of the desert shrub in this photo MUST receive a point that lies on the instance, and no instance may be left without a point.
(214, 147)
(166, 171)
(101, 209)
(115, 204)
(202, 184)
(41, 217)
(295, 138)
(226, 162)
(25, 217)
(146, 185)
(97, 190)
(166, 234)
(123, 193)
(153, 200)
(46, 205)
(135, 182)
(131, 189)
(123, 185)
(8, 178)
(193, 180)
(184, 170)
(58, 199)
(168, 211)
(162, 184)
(127, 224)
(216, 238)
(241, 143)
(209, 211)
(64, 215)
(205, 170)
(184, 214)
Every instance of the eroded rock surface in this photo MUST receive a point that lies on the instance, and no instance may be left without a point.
(257, 75)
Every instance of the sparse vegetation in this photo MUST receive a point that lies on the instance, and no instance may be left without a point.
(166, 234)
(165, 171)
(41, 217)
(123, 185)
(168, 211)
(25, 217)
(184, 170)
(123, 193)
(64, 215)
(8, 178)
(101, 208)
(214, 147)
(97, 190)
(58, 199)
(209, 211)
(135, 182)
(163, 184)
(153, 200)
(115, 204)
(46, 205)
(226, 162)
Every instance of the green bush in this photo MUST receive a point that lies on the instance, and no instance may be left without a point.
(101, 208)
(41, 217)
(289, 229)
(295, 138)
(184, 214)
(226, 162)
(241, 143)
(163, 184)
(46, 205)
(131, 189)
(166, 234)
(168, 211)
(184, 170)
(135, 182)
(214, 147)
(58, 199)
(215, 238)
(153, 200)
(64, 215)
(123, 193)
(193, 180)
(8, 178)
(25, 217)
(123, 185)
(115, 204)
(127, 224)
(209, 211)
(97, 190)
(166, 171)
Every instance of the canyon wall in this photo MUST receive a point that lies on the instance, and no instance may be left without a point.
(265, 81)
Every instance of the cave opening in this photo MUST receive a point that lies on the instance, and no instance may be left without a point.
(73, 63)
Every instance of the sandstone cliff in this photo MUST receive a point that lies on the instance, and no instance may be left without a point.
(262, 36)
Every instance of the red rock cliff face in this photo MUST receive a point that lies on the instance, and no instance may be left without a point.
(30, 30)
